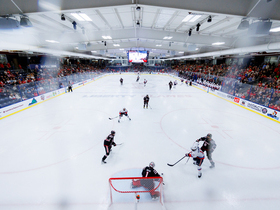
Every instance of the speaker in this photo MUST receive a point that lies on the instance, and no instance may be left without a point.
(8, 23)
(259, 28)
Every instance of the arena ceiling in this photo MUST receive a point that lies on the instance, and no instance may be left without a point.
(115, 26)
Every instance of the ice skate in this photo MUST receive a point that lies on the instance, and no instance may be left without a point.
(103, 161)
(118, 121)
(199, 175)
(212, 165)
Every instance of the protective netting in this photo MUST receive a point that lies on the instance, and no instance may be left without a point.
(124, 189)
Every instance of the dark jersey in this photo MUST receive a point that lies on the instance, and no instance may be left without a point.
(109, 141)
(149, 172)
(208, 145)
(146, 99)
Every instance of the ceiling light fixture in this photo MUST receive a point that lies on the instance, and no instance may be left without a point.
(167, 37)
(106, 37)
(209, 19)
(63, 17)
(158, 45)
(190, 32)
(191, 18)
(275, 29)
(52, 41)
(81, 16)
(218, 43)
(116, 45)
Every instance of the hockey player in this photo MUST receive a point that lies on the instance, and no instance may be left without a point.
(170, 85)
(175, 83)
(148, 171)
(70, 87)
(123, 112)
(108, 142)
(209, 146)
(121, 81)
(146, 101)
(137, 78)
(145, 82)
(198, 157)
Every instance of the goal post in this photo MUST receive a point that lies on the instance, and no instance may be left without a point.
(124, 189)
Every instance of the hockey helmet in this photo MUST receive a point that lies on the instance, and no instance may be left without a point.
(113, 132)
(123, 109)
(152, 164)
(194, 147)
(209, 136)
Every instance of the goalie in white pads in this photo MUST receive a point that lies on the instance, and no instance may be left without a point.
(123, 112)
(198, 157)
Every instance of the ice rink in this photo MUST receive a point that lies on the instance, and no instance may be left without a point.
(50, 154)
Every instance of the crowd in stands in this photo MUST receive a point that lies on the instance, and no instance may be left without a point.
(259, 84)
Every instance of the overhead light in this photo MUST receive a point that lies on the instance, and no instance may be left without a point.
(191, 18)
(190, 32)
(158, 45)
(209, 19)
(116, 45)
(244, 24)
(121, 49)
(106, 37)
(197, 27)
(63, 17)
(138, 8)
(52, 41)
(81, 16)
(24, 21)
(74, 25)
(138, 23)
(275, 29)
(180, 52)
(218, 43)
(167, 37)
(86, 18)
(93, 51)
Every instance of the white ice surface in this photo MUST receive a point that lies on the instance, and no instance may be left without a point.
(50, 154)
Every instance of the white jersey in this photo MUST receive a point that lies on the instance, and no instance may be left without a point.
(198, 153)
(123, 111)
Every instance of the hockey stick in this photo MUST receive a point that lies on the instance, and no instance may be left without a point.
(110, 118)
(150, 106)
(176, 162)
(119, 144)
(187, 161)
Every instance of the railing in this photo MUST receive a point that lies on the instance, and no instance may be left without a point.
(10, 94)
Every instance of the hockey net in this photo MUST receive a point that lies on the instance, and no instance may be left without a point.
(123, 190)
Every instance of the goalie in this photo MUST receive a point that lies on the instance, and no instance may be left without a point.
(149, 184)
